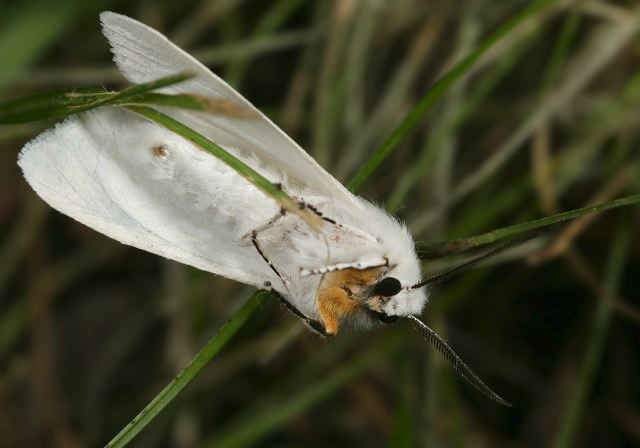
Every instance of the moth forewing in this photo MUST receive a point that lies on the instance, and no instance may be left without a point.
(143, 53)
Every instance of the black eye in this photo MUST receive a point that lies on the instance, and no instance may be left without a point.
(387, 319)
(387, 287)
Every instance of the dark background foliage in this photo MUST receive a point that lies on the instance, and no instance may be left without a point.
(90, 331)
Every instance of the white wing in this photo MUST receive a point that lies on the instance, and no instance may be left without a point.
(143, 54)
(146, 187)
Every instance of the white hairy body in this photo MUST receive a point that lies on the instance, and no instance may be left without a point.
(149, 188)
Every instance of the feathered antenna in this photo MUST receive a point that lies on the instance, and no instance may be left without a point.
(458, 365)
(437, 342)
(445, 275)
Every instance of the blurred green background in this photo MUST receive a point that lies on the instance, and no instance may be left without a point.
(548, 120)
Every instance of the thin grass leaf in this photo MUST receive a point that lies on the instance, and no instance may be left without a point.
(182, 100)
(67, 102)
(56, 104)
(182, 380)
(451, 247)
(137, 90)
(436, 92)
(214, 106)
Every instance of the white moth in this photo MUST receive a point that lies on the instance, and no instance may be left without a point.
(149, 188)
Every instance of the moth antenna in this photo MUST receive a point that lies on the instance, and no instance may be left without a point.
(445, 275)
(458, 365)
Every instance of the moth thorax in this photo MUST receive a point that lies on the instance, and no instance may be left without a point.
(345, 292)
(354, 280)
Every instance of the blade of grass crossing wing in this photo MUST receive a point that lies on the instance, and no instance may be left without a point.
(73, 101)
(50, 105)
(241, 168)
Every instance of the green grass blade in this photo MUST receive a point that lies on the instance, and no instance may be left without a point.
(63, 103)
(436, 92)
(182, 380)
(55, 104)
(450, 247)
(182, 101)
(138, 89)
(213, 106)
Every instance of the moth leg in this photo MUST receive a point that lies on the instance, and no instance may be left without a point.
(334, 304)
(313, 324)
(256, 244)
(253, 236)
(271, 222)
(357, 232)
(302, 204)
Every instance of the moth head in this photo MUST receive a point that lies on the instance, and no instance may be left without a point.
(390, 299)
(387, 287)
